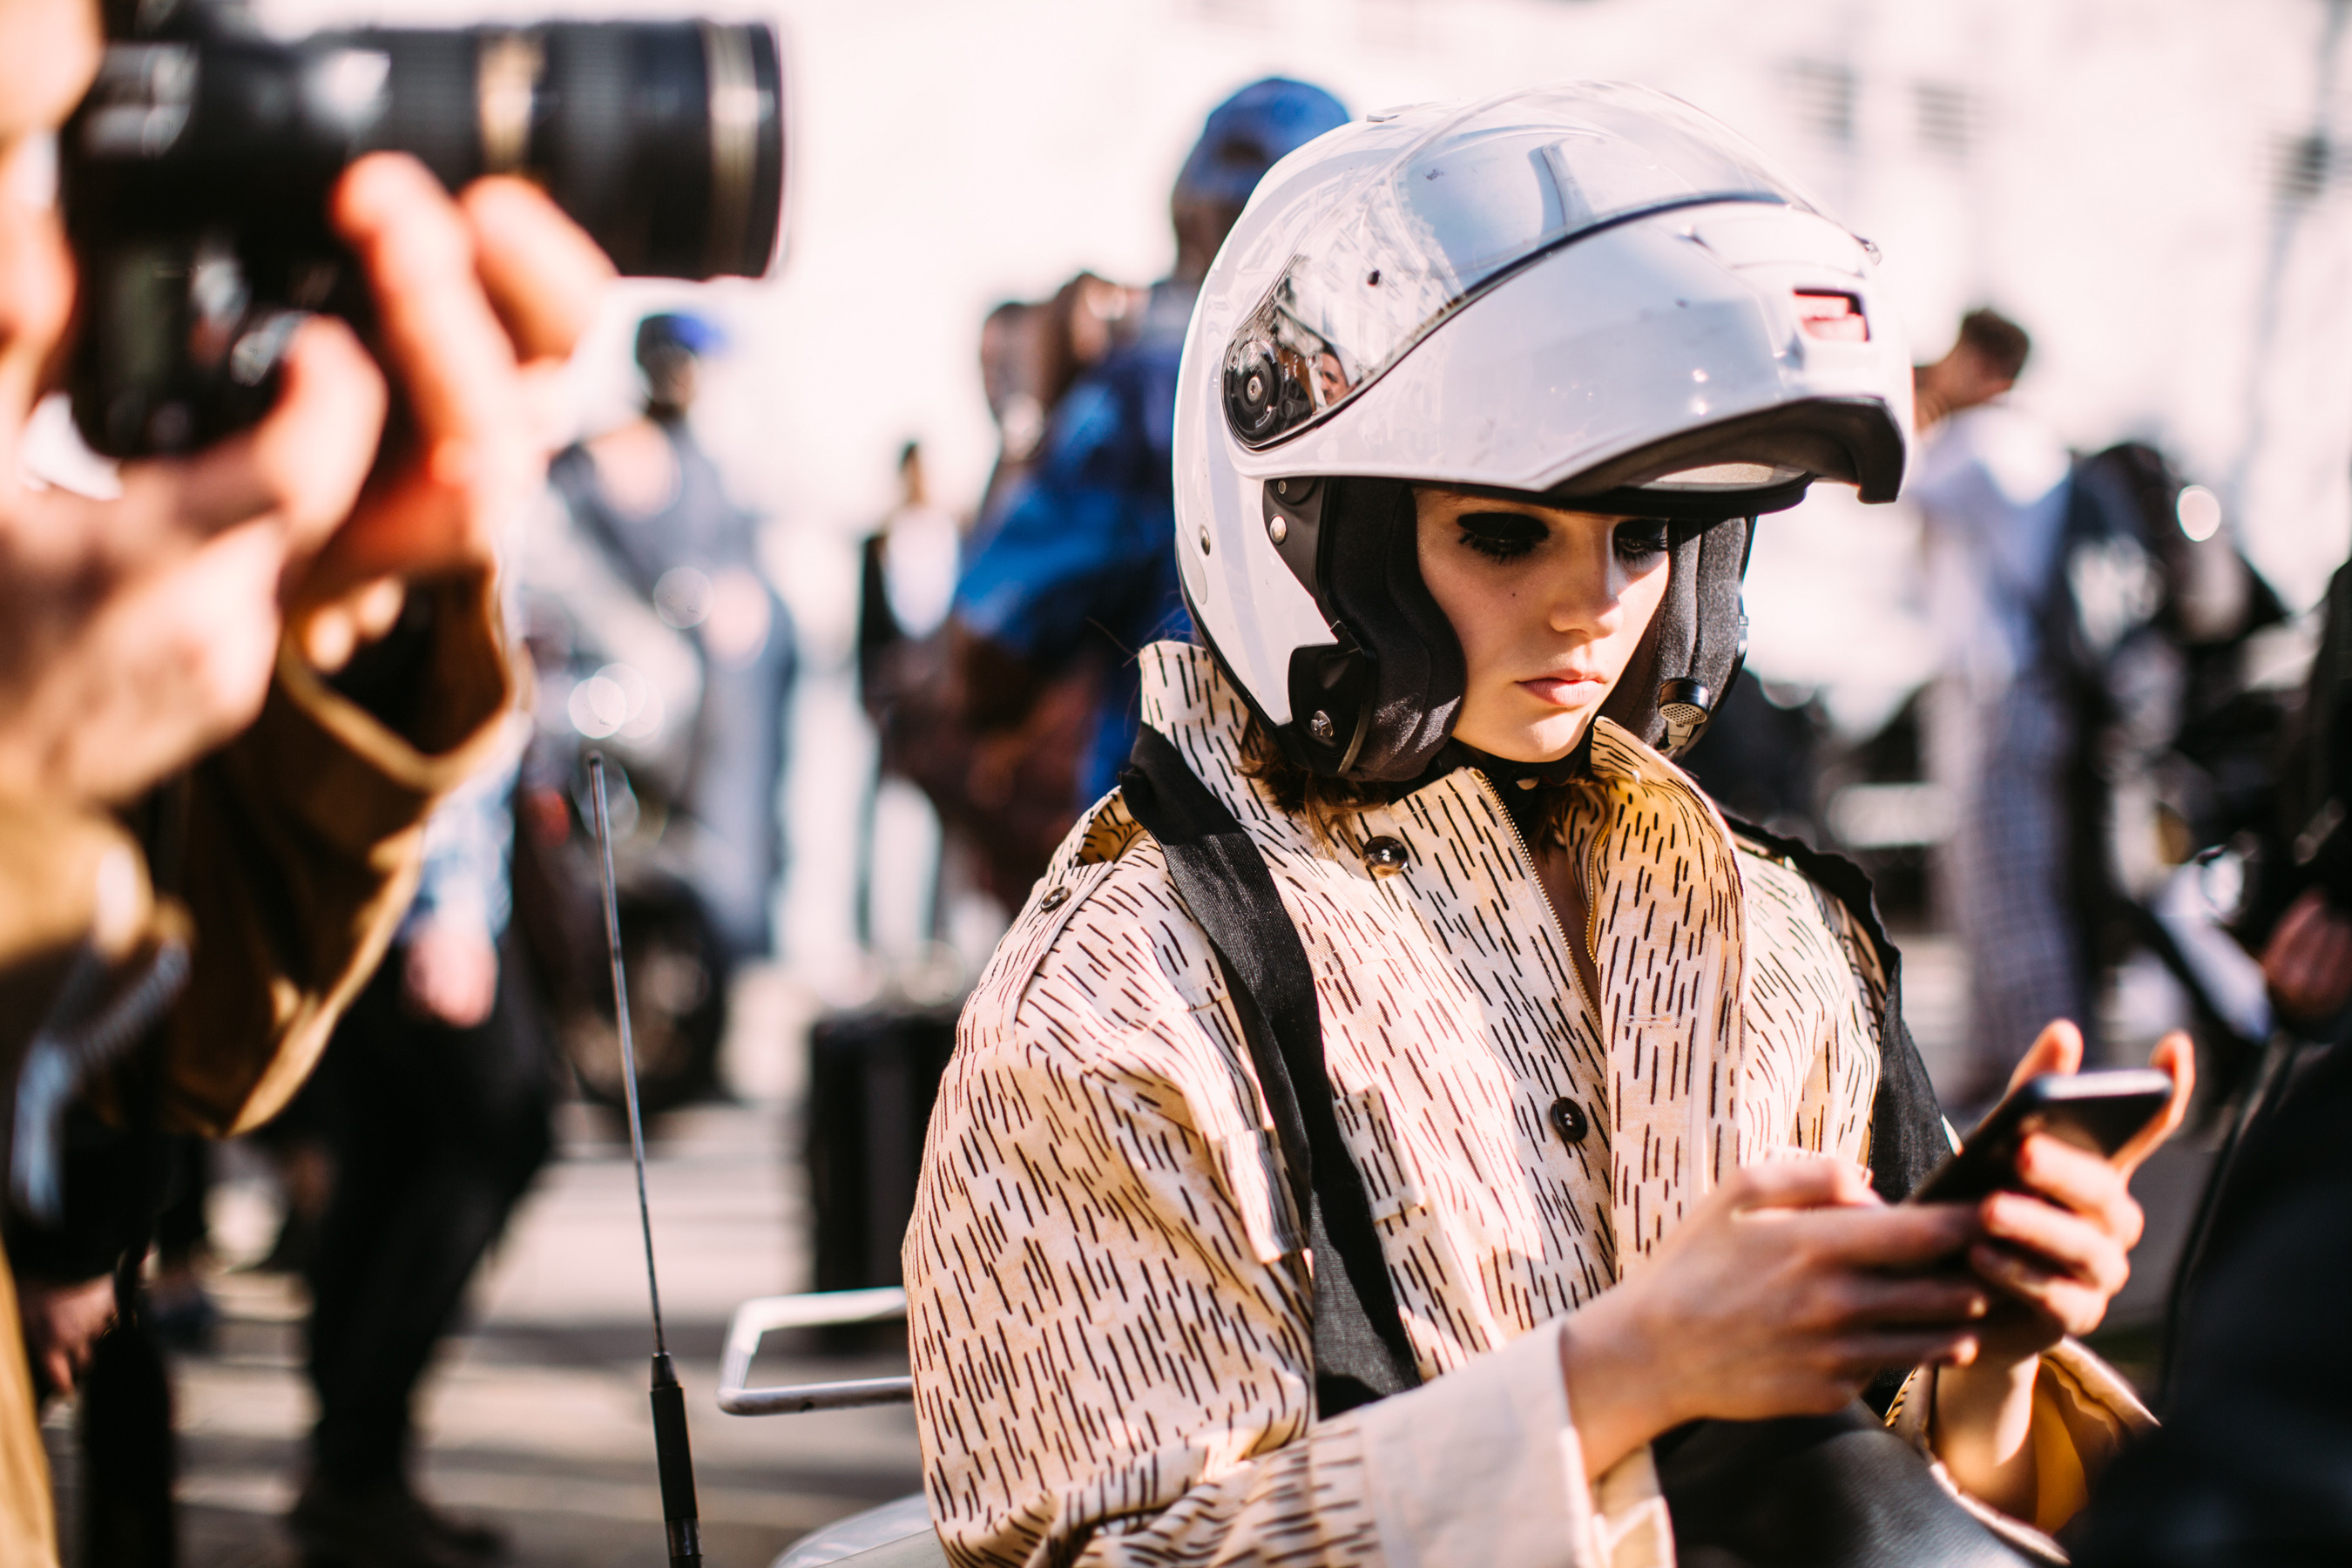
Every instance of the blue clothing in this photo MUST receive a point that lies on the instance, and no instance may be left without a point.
(468, 851)
(1087, 546)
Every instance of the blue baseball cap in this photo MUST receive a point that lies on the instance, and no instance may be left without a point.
(678, 329)
(1249, 133)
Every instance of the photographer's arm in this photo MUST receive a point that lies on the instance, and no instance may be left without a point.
(306, 832)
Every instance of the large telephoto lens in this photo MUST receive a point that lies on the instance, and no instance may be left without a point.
(196, 179)
(665, 140)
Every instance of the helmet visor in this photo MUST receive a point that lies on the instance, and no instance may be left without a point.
(1463, 207)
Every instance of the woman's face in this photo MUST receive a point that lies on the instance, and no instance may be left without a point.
(1549, 605)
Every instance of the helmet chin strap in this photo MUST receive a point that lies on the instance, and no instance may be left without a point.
(1696, 643)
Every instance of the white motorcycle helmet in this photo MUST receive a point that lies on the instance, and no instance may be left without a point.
(1590, 296)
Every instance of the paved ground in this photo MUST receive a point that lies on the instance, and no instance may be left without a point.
(537, 1417)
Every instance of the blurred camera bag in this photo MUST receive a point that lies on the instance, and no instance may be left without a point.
(873, 1074)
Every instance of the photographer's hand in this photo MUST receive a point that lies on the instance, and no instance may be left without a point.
(479, 301)
(137, 633)
(2308, 960)
(1782, 1294)
(2056, 1253)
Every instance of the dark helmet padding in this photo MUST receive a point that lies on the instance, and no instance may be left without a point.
(1377, 702)
(1695, 644)
(1389, 686)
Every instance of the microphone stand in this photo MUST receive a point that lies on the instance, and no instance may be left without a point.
(673, 1457)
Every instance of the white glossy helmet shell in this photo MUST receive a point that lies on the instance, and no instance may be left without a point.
(1591, 293)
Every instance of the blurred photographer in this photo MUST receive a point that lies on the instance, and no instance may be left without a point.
(2250, 1465)
(290, 632)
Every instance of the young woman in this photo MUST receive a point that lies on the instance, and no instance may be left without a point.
(1479, 408)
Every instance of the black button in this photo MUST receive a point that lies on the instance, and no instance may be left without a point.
(1055, 898)
(1567, 1118)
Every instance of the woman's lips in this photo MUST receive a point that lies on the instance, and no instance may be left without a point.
(1562, 690)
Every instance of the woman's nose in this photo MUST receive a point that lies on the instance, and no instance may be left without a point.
(1585, 595)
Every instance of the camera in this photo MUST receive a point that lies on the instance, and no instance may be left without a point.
(195, 179)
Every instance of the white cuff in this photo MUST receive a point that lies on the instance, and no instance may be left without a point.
(1483, 1465)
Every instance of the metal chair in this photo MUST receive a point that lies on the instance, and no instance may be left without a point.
(894, 1535)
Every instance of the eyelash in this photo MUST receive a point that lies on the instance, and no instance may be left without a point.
(1494, 547)
(1634, 542)
(1640, 540)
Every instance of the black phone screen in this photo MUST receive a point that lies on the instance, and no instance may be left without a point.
(2098, 1111)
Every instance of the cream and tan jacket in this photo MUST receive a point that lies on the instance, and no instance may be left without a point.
(1109, 1304)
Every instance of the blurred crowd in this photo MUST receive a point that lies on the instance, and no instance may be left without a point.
(296, 837)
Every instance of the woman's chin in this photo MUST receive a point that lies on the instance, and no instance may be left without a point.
(1545, 740)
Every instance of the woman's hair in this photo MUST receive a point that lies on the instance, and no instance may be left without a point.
(1326, 804)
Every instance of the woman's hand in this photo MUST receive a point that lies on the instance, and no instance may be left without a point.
(1782, 1294)
(2056, 1253)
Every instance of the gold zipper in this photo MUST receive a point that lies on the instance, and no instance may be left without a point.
(1535, 880)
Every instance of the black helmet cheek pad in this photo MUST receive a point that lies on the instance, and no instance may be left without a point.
(1378, 702)
(1696, 642)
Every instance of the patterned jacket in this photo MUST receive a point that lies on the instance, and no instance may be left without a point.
(1109, 1302)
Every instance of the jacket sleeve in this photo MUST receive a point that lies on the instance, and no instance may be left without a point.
(1110, 1335)
(303, 840)
(70, 882)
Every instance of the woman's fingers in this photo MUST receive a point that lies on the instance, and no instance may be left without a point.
(1942, 1298)
(544, 275)
(1864, 1356)
(2175, 1054)
(1891, 1237)
(2074, 1306)
(2078, 1247)
(2058, 1048)
(2057, 1172)
(1798, 1182)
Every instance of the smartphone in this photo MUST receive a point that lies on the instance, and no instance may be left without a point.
(2099, 1111)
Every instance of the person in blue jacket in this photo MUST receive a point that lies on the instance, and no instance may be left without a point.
(1081, 558)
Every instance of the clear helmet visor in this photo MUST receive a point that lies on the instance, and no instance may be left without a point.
(1478, 197)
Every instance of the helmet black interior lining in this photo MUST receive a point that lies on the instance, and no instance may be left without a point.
(1379, 701)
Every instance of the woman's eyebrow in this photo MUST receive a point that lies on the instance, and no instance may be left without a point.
(1492, 516)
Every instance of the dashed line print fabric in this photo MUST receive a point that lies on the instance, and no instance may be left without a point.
(1109, 1304)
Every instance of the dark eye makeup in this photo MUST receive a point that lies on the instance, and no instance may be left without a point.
(1508, 535)
(1640, 538)
(1501, 535)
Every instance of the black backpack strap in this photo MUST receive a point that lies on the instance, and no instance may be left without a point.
(1361, 1354)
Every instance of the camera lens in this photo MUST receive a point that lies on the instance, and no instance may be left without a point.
(664, 140)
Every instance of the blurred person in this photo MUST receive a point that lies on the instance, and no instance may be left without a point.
(1990, 484)
(292, 625)
(437, 1096)
(1082, 564)
(1030, 354)
(2253, 1462)
(1003, 793)
(907, 577)
(646, 498)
